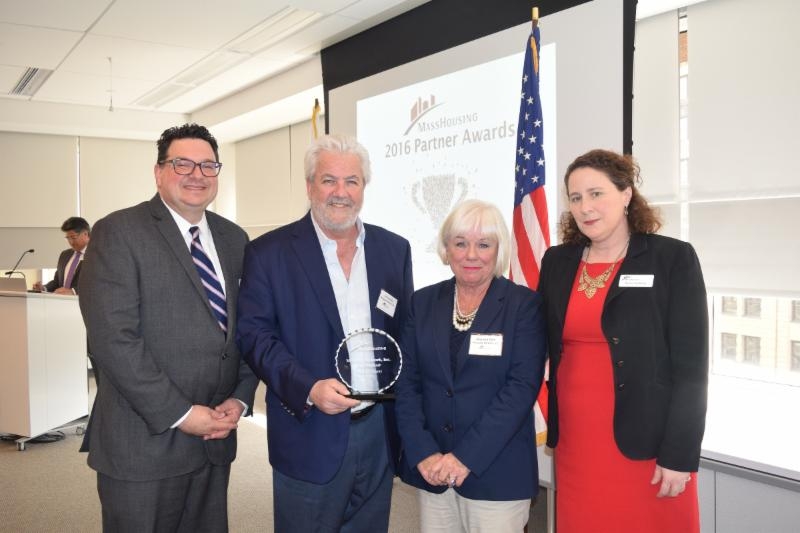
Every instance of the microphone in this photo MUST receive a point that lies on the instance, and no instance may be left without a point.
(8, 274)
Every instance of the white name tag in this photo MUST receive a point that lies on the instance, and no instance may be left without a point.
(636, 280)
(490, 344)
(387, 303)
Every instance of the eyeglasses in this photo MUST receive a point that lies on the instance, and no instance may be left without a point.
(73, 236)
(183, 166)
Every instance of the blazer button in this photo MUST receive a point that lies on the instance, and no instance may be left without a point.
(620, 363)
(224, 356)
(621, 386)
(449, 393)
(615, 340)
(447, 428)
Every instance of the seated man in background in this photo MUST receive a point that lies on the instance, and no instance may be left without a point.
(77, 232)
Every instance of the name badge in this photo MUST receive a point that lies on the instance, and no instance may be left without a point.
(387, 303)
(636, 280)
(487, 344)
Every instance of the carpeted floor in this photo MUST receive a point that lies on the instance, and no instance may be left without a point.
(48, 487)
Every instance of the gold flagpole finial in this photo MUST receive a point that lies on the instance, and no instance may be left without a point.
(314, 115)
(535, 16)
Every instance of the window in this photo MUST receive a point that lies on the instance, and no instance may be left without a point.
(754, 318)
(752, 349)
(752, 307)
(756, 348)
(729, 305)
(728, 348)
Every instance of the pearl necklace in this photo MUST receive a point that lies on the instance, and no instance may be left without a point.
(589, 285)
(462, 322)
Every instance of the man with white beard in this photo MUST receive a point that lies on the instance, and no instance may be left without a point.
(305, 286)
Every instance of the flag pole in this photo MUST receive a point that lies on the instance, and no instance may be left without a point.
(535, 16)
(314, 114)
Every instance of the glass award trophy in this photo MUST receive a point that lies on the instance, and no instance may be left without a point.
(368, 361)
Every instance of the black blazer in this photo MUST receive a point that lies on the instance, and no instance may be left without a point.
(658, 338)
(61, 272)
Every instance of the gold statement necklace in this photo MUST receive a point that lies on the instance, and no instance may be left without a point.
(589, 285)
(461, 321)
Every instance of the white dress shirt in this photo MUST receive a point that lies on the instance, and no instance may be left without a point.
(352, 301)
(207, 240)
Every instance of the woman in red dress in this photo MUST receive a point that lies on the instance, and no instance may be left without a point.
(628, 337)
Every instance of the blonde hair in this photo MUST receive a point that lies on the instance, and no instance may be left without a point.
(483, 218)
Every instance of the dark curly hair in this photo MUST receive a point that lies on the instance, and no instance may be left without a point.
(623, 172)
(187, 131)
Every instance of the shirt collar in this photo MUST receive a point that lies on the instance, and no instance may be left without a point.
(325, 241)
(184, 225)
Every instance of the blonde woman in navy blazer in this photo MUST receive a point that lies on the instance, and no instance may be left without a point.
(473, 361)
(635, 473)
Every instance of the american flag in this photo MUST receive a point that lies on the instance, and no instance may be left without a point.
(531, 229)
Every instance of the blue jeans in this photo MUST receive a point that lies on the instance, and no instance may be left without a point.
(356, 500)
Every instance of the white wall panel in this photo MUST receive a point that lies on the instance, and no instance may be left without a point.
(115, 174)
(38, 179)
(263, 181)
(749, 245)
(302, 135)
(744, 108)
(656, 105)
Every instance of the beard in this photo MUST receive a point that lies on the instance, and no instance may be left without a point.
(322, 214)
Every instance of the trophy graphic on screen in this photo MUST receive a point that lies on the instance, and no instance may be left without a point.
(435, 195)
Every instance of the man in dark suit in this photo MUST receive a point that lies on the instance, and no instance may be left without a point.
(158, 296)
(304, 287)
(68, 269)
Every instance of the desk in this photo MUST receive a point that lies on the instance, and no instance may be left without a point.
(43, 371)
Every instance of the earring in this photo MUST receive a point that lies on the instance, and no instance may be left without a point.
(626, 210)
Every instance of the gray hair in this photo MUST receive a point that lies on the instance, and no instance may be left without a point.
(335, 142)
(484, 218)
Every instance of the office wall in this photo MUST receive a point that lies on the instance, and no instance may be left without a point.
(114, 174)
(39, 191)
(46, 179)
(270, 186)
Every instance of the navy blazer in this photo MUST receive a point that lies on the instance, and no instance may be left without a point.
(289, 329)
(483, 415)
(658, 338)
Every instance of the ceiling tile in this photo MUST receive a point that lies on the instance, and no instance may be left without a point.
(365, 9)
(9, 76)
(331, 6)
(77, 16)
(26, 46)
(204, 25)
(89, 89)
(130, 59)
(186, 49)
(235, 79)
(309, 39)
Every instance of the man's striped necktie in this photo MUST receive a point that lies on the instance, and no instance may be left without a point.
(209, 278)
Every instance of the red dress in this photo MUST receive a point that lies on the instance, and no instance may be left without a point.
(597, 488)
